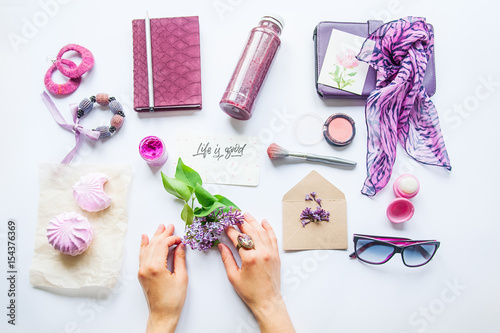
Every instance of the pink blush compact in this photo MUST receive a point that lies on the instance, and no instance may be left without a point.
(339, 129)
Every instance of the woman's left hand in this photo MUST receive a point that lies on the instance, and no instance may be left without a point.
(165, 291)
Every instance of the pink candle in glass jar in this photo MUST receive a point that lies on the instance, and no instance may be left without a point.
(239, 98)
(152, 150)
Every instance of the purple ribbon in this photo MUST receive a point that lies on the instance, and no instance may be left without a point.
(75, 127)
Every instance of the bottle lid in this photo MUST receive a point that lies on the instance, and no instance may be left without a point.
(400, 210)
(307, 128)
(275, 18)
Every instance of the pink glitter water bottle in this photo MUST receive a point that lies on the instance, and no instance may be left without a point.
(239, 98)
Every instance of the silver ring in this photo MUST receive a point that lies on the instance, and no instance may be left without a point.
(244, 241)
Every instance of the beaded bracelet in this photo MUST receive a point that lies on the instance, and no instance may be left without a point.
(87, 104)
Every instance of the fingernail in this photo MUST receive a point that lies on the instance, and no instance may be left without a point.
(220, 247)
(144, 239)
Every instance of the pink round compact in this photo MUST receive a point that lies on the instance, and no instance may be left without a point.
(339, 129)
(400, 210)
(152, 150)
(406, 186)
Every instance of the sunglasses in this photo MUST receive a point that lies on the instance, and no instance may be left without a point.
(378, 250)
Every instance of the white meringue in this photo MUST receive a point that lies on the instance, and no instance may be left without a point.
(89, 192)
(70, 233)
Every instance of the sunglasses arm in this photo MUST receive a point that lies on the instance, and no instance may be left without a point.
(422, 251)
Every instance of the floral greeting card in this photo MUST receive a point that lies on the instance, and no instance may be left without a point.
(340, 68)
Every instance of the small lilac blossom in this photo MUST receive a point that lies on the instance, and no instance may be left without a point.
(204, 231)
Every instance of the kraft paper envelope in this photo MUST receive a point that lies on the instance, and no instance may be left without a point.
(315, 235)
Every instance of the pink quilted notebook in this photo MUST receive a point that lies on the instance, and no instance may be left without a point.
(175, 48)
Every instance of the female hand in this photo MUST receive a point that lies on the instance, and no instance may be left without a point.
(258, 280)
(165, 291)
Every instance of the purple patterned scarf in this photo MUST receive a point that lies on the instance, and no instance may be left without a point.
(399, 107)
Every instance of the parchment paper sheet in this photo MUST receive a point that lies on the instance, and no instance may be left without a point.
(100, 264)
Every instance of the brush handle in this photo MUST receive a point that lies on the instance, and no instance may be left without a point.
(323, 159)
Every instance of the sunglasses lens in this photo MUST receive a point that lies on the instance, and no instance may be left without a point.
(418, 254)
(373, 252)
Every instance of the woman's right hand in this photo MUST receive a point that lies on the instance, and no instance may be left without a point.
(258, 280)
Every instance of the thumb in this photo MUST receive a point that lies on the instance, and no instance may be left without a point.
(229, 262)
(180, 260)
(144, 243)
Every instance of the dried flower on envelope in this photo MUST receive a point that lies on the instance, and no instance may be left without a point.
(308, 215)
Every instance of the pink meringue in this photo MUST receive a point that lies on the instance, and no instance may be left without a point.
(70, 233)
(89, 192)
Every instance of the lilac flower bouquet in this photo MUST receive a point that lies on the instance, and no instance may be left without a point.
(205, 224)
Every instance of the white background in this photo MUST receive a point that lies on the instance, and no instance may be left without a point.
(324, 291)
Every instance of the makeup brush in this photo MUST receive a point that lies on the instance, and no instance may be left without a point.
(276, 152)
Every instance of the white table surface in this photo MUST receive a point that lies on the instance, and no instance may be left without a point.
(324, 291)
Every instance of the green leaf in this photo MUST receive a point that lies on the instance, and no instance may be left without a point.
(200, 212)
(334, 78)
(337, 70)
(352, 74)
(177, 188)
(335, 74)
(204, 197)
(187, 214)
(226, 202)
(187, 174)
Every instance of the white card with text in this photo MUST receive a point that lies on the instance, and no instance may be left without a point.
(222, 160)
